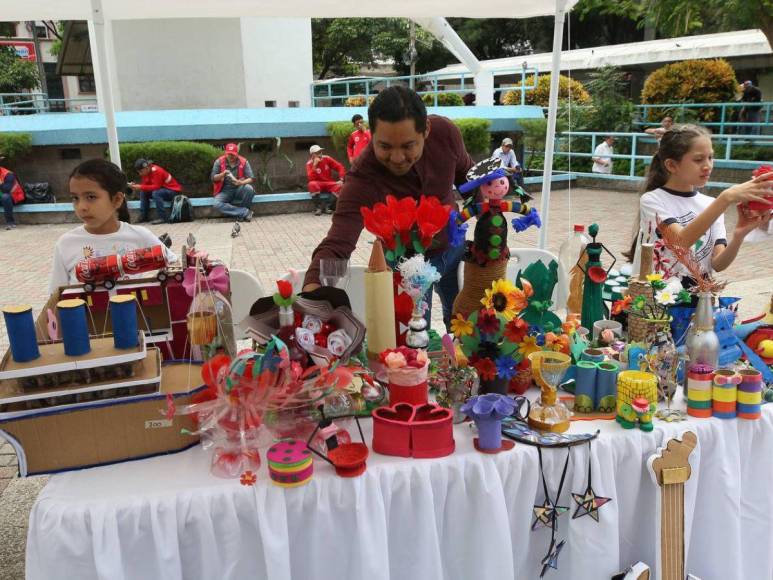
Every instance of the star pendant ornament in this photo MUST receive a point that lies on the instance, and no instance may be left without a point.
(551, 559)
(547, 514)
(588, 503)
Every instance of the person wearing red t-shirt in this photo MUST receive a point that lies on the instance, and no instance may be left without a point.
(359, 138)
(319, 171)
(156, 183)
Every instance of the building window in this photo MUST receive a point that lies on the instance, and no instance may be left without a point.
(86, 84)
(270, 103)
(293, 104)
(41, 31)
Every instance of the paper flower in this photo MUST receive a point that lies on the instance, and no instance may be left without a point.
(528, 346)
(284, 295)
(487, 369)
(620, 306)
(395, 360)
(665, 298)
(516, 329)
(431, 218)
(403, 213)
(378, 221)
(460, 326)
(506, 298)
(489, 406)
(488, 323)
(639, 302)
(654, 277)
(248, 478)
(684, 297)
(505, 367)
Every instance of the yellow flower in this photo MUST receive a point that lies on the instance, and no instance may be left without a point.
(654, 277)
(528, 346)
(506, 298)
(460, 326)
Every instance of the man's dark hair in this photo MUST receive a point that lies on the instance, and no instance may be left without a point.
(356, 118)
(396, 103)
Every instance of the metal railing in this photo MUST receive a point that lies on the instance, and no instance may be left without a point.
(727, 142)
(723, 118)
(337, 92)
(32, 103)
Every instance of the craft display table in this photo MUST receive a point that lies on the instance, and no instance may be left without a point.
(464, 516)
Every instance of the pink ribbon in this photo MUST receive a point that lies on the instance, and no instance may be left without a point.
(216, 281)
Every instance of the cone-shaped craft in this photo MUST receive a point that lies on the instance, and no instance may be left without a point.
(379, 304)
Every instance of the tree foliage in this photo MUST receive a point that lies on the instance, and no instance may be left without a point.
(341, 46)
(16, 74)
(541, 94)
(691, 81)
(684, 17)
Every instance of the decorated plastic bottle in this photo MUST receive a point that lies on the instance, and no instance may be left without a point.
(568, 254)
(702, 341)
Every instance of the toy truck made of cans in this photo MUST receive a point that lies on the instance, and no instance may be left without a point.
(106, 270)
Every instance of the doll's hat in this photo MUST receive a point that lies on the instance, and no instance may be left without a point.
(481, 173)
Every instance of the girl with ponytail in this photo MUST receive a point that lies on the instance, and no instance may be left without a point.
(97, 188)
(681, 166)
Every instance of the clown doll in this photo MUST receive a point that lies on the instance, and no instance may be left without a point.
(486, 256)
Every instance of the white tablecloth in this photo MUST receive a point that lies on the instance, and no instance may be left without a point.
(463, 517)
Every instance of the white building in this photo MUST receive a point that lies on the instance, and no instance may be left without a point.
(192, 63)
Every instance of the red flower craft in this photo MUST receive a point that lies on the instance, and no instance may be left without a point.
(248, 478)
(488, 323)
(486, 368)
(285, 288)
(431, 218)
(379, 222)
(403, 214)
(516, 329)
(762, 170)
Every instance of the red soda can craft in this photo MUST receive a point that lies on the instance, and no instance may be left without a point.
(103, 269)
(143, 260)
(97, 270)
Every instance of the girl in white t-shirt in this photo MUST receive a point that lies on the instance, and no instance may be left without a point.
(97, 189)
(682, 164)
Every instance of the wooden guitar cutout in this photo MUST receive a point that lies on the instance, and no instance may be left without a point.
(670, 470)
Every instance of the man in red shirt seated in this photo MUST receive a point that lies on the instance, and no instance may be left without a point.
(319, 171)
(412, 154)
(156, 183)
(359, 138)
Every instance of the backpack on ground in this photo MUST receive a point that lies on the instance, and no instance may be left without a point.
(182, 209)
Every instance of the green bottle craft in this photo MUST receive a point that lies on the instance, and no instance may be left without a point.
(593, 308)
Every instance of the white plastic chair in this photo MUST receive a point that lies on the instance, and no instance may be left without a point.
(355, 288)
(520, 258)
(245, 290)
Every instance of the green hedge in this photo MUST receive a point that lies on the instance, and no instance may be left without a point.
(190, 163)
(443, 100)
(13, 145)
(476, 134)
(339, 132)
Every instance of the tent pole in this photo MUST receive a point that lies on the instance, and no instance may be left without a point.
(99, 58)
(558, 38)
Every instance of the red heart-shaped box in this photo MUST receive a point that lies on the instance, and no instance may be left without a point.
(419, 431)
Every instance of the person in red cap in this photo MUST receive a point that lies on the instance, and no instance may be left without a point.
(359, 138)
(232, 178)
(155, 183)
(319, 170)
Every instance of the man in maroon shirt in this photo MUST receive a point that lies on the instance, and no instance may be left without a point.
(412, 154)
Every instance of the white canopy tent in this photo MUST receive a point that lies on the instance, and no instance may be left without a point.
(426, 12)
